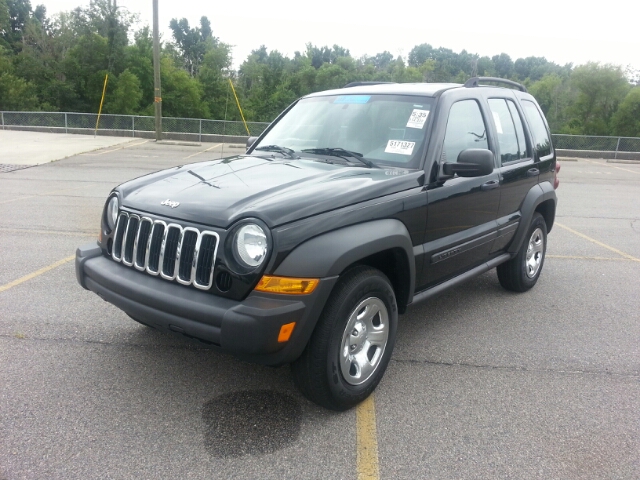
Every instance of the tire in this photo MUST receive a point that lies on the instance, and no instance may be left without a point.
(522, 272)
(351, 345)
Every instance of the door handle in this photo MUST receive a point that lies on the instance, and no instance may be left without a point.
(532, 172)
(490, 185)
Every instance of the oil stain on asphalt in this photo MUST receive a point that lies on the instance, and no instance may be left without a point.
(250, 423)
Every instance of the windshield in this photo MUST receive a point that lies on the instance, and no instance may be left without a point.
(383, 129)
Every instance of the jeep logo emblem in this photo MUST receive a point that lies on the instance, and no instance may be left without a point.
(169, 203)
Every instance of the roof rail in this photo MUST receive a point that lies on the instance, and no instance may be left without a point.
(357, 84)
(475, 82)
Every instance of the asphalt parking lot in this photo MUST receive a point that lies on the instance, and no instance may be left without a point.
(483, 383)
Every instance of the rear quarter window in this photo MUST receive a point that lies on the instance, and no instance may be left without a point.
(541, 137)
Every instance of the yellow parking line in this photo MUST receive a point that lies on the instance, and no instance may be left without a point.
(36, 273)
(612, 166)
(203, 151)
(619, 252)
(367, 441)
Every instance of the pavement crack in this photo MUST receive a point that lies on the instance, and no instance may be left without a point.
(514, 368)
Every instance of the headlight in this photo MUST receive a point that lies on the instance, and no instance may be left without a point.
(250, 245)
(112, 212)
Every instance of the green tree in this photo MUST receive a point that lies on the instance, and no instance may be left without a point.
(626, 120)
(192, 43)
(125, 97)
(106, 19)
(420, 54)
(5, 23)
(85, 67)
(599, 91)
(15, 92)
(503, 65)
(213, 76)
(181, 94)
(553, 95)
(139, 61)
(19, 12)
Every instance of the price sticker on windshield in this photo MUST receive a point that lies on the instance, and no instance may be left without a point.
(417, 118)
(400, 147)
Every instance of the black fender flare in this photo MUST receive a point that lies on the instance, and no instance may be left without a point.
(331, 253)
(537, 194)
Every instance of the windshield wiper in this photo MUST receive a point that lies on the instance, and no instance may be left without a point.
(340, 152)
(276, 148)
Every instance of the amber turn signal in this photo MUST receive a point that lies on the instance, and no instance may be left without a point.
(287, 285)
(285, 332)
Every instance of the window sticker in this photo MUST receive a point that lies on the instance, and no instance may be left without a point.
(496, 119)
(400, 147)
(417, 118)
(352, 99)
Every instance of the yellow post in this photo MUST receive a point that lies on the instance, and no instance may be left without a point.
(239, 108)
(104, 89)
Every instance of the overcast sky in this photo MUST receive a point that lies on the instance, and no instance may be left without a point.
(562, 31)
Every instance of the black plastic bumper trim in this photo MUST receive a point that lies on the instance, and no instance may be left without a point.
(248, 329)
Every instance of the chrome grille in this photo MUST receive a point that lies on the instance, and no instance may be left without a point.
(174, 252)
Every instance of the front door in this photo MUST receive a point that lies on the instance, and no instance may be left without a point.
(461, 220)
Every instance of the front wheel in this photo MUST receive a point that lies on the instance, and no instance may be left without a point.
(352, 343)
(522, 272)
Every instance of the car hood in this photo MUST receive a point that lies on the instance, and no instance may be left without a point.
(275, 190)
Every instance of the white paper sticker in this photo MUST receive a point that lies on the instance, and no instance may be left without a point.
(496, 119)
(400, 147)
(417, 118)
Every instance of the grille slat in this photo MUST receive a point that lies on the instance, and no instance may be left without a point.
(123, 221)
(171, 251)
(141, 245)
(129, 239)
(187, 254)
(155, 246)
(206, 256)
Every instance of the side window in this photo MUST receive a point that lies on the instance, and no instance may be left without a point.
(465, 129)
(541, 139)
(507, 138)
(519, 130)
(509, 127)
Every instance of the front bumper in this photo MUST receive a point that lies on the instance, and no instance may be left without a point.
(248, 329)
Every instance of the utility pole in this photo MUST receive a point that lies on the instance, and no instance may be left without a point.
(156, 73)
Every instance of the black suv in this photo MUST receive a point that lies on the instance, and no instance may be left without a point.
(352, 205)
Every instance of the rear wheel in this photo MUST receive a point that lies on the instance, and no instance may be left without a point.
(352, 343)
(522, 272)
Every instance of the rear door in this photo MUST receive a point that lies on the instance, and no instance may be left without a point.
(519, 169)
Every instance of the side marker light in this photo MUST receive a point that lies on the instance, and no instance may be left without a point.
(285, 332)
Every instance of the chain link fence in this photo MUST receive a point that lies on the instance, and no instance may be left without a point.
(130, 125)
(200, 130)
(600, 147)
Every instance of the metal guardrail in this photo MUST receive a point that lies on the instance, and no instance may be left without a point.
(135, 125)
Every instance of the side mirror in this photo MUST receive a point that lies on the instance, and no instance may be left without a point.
(251, 141)
(473, 162)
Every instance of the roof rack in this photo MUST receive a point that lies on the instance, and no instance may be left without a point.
(357, 84)
(475, 82)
